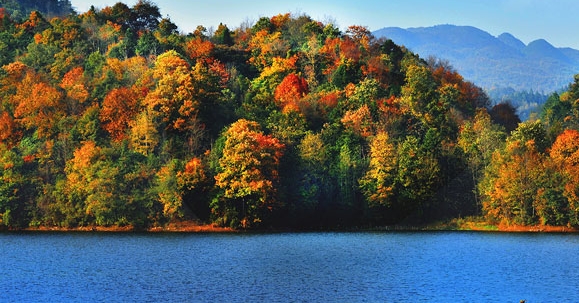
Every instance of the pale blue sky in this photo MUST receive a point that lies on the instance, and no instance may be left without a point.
(553, 20)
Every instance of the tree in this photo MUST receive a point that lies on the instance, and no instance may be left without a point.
(148, 45)
(40, 57)
(470, 97)
(264, 47)
(288, 93)
(478, 140)
(417, 179)
(565, 155)
(77, 181)
(169, 193)
(194, 180)
(145, 15)
(9, 133)
(167, 28)
(73, 83)
(110, 184)
(531, 131)
(359, 121)
(248, 177)
(308, 181)
(198, 48)
(144, 134)
(17, 190)
(512, 185)
(378, 184)
(118, 110)
(361, 35)
(419, 92)
(505, 114)
(223, 35)
(348, 168)
(175, 99)
(38, 105)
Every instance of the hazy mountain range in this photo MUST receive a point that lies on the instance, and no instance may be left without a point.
(503, 63)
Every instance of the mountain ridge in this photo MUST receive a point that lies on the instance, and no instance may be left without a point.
(491, 62)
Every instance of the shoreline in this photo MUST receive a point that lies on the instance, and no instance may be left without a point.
(179, 227)
(194, 227)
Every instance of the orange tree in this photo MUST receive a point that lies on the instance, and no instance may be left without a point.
(565, 156)
(248, 176)
(524, 186)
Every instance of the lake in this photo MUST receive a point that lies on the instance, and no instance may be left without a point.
(289, 267)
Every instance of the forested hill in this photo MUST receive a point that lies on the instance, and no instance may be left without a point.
(112, 117)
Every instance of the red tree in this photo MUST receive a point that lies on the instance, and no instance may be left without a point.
(291, 89)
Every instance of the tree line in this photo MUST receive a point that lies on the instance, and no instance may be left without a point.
(112, 117)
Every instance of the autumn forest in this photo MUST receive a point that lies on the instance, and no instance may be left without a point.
(112, 117)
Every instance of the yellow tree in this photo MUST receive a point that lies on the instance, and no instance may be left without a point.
(248, 177)
(379, 181)
(143, 134)
(513, 183)
(265, 46)
(173, 98)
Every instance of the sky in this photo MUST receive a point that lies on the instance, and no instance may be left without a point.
(553, 20)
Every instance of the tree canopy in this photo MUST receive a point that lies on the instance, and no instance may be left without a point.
(112, 117)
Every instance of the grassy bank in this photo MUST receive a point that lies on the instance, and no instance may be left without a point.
(480, 224)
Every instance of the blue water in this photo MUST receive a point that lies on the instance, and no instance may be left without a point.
(292, 267)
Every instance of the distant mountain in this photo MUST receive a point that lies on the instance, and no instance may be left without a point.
(494, 63)
(20, 9)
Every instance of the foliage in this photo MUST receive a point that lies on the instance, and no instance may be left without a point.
(248, 178)
(112, 117)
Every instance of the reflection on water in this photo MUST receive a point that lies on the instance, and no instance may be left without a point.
(301, 267)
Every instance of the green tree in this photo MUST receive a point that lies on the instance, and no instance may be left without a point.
(169, 193)
(40, 57)
(478, 140)
(110, 185)
(145, 15)
(531, 130)
(347, 170)
(148, 45)
(420, 93)
(223, 35)
(417, 179)
(314, 157)
(17, 188)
